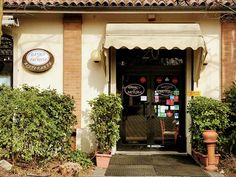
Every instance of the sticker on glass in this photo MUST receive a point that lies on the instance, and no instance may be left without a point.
(143, 98)
(134, 90)
(176, 92)
(156, 99)
(162, 114)
(142, 79)
(169, 102)
(167, 79)
(176, 99)
(175, 80)
(176, 107)
(166, 89)
(176, 115)
(159, 80)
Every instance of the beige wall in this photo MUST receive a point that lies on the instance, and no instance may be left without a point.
(39, 31)
(46, 31)
(93, 76)
(209, 83)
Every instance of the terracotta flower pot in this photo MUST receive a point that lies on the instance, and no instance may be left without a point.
(103, 160)
(210, 138)
(203, 159)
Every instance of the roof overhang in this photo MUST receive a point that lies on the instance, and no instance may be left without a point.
(113, 9)
(158, 36)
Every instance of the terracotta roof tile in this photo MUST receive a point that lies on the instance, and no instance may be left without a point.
(121, 3)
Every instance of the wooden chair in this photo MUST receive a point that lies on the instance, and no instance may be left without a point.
(174, 131)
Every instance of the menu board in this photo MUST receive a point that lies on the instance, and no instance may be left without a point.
(6, 48)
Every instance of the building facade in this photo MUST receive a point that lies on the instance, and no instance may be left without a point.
(156, 54)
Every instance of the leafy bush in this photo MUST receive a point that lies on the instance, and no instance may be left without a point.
(208, 114)
(105, 116)
(232, 141)
(34, 125)
(230, 98)
(81, 158)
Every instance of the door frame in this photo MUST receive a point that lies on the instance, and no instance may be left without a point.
(162, 71)
(110, 76)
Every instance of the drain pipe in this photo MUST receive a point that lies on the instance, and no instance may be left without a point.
(109, 72)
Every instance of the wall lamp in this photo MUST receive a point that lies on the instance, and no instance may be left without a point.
(9, 20)
(96, 56)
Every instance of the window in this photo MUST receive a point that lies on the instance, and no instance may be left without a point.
(6, 60)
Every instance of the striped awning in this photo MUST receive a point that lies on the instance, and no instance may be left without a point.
(158, 36)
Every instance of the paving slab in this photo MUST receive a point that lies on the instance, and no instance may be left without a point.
(154, 166)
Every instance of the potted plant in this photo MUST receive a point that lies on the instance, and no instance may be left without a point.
(208, 115)
(105, 115)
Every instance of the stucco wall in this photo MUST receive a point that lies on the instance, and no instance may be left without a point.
(39, 31)
(93, 75)
(46, 31)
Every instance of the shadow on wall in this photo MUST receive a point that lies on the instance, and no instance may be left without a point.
(85, 139)
(96, 76)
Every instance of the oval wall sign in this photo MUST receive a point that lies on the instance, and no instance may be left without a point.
(38, 60)
(166, 89)
(134, 89)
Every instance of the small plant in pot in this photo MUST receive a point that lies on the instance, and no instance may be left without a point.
(211, 115)
(105, 115)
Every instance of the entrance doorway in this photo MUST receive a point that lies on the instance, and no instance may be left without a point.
(152, 86)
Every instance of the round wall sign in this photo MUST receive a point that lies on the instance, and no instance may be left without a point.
(38, 60)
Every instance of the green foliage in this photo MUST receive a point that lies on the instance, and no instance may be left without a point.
(105, 115)
(34, 125)
(208, 114)
(230, 98)
(81, 158)
(232, 142)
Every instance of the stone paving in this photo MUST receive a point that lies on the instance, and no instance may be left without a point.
(133, 165)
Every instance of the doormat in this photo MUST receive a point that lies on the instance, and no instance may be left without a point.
(154, 165)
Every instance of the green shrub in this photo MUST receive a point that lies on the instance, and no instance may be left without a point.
(34, 125)
(230, 98)
(105, 115)
(208, 113)
(232, 141)
(81, 158)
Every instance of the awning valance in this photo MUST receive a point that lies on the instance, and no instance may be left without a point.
(157, 36)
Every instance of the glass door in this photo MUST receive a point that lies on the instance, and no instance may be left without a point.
(167, 103)
(153, 95)
(136, 110)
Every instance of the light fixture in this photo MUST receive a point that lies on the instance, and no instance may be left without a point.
(151, 17)
(9, 20)
(96, 56)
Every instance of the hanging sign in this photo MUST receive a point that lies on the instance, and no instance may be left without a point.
(38, 60)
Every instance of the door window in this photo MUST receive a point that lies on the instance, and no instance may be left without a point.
(152, 89)
(6, 60)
